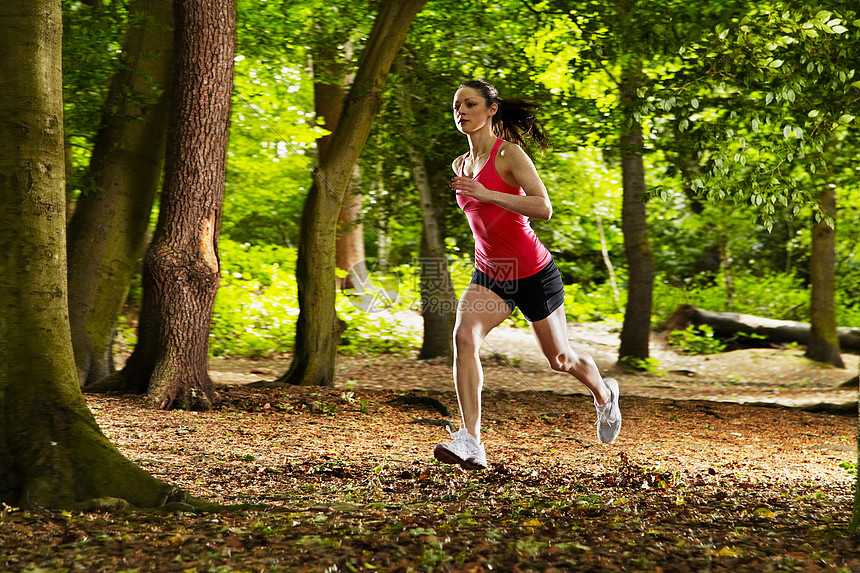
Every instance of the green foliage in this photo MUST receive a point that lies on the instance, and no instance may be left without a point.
(650, 364)
(92, 37)
(597, 304)
(271, 152)
(778, 296)
(257, 307)
(696, 340)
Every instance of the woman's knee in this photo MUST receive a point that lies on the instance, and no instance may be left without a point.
(466, 338)
(559, 362)
(572, 362)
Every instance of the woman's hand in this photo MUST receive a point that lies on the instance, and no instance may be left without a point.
(468, 187)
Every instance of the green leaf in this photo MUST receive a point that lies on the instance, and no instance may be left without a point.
(768, 98)
(695, 103)
(776, 63)
(839, 29)
(786, 131)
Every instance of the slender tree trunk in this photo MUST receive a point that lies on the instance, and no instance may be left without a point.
(181, 270)
(636, 330)
(383, 237)
(108, 230)
(607, 261)
(438, 298)
(823, 338)
(317, 328)
(349, 246)
(726, 264)
(52, 452)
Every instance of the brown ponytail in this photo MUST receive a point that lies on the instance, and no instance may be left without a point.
(515, 119)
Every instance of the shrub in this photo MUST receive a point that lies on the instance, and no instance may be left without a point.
(696, 340)
(777, 296)
(257, 306)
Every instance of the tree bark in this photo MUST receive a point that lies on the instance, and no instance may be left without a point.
(317, 328)
(52, 452)
(181, 270)
(854, 525)
(823, 343)
(607, 261)
(438, 298)
(728, 325)
(636, 330)
(349, 246)
(331, 80)
(107, 232)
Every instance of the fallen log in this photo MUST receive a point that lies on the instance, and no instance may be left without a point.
(748, 331)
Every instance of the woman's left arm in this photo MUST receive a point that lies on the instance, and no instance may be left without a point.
(515, 167)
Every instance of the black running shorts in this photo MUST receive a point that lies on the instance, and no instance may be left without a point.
(537, 296)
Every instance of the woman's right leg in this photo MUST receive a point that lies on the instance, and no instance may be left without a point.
(480, 310)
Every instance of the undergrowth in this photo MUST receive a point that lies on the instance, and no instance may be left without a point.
(257, 307)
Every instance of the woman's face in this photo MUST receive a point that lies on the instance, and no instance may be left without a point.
(471, 112)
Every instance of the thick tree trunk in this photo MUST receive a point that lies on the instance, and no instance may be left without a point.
(765, 331)
(182, 269)
(317, 331)
(636, 330)
(52, 452)
(438, 298)
(823, 343)
(108, 230)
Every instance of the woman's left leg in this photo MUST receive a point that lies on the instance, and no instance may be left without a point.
(551, 334)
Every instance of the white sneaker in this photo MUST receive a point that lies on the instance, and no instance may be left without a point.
(463, 450)
(609, 415)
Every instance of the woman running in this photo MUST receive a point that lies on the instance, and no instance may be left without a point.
(499, 190)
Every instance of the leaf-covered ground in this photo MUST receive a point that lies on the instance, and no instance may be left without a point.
(344, 480)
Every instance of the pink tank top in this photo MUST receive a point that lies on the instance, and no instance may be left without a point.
(506, 247)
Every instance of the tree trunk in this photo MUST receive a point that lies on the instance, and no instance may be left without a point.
(317, 330)
(181, 270)
(332, 78)
(383, 236)
(52, 452)
(108, 230)
(635, 332)
(438, 298)
(823, 339)
(854, 525)
(607, 261)
(349, 246)
(754, 330)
